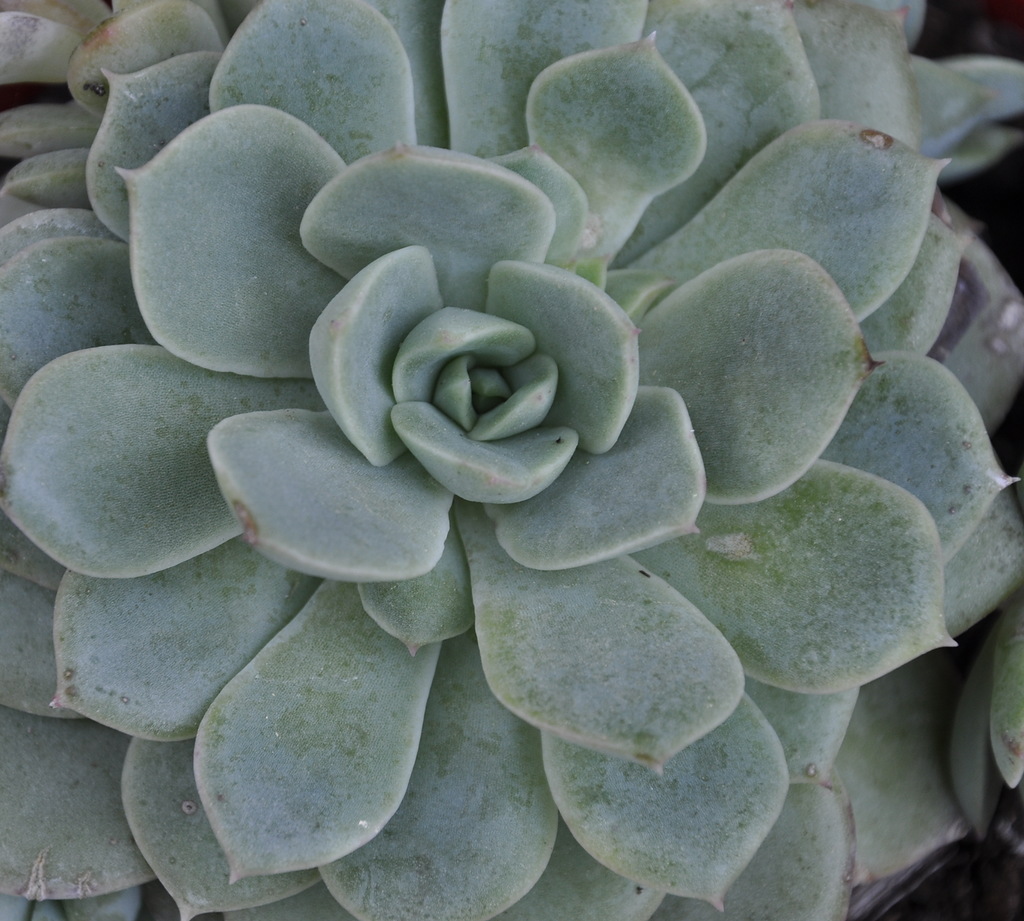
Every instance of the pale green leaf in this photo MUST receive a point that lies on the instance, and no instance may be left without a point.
(80, 15)
(952, 105)
(170, 825)
(149, 655)
(60, 793)
(1004, 76)
(509, 470)
(851, 198)
(61, 295)
(15, 908)
(588, 335)
(468, 212)
(893, 763)
(20, 556)
(429, 608)
(313, 904)
(34, 49)
(50, 180)
(747, 71)
(831, 583)
(43, 127)
(1007, 718)
(309, 500)
(912, 12)
(636, 291)
(337, 65)
(307, 753)
(31, 228)
(810, 726)
(115, 906)
(689, 831)
(144, 111)
(912, 400)
(239, 293)
(491, 54)
(477, 824)
(800, 873)
(607, 656)
(985, 146)
(139, 35)
(622, 124)
(159, 504)
(352, 352)
(646, 489)
(767, 355)
(860, 62)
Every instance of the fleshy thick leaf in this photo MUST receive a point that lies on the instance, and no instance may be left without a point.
(313, 904)
(1007, 719)
(59, 296)
(893, 762)
(809, 726)
(607, 656)
(50, 180)
(60, 793)
(622, 124)
(689, 831)
(747, 71)
(646, 489)
(170, 825)
(309, 500)
(138, 36)
(285, 57)
(43, 127)
(114, 906)
(492, 54)
(589, 337)
(20, 556)
(477, 824)
(860, 62)
(829, 584)
(952, 469)
(239, 293)
(144, 111)
(952, 105)
(149, 655)
(31, 228)
(851, 198)
(307, 753)
(800, 873)
(34, 49)
(468, 212)
(352, 352)
(761, 347)
(159, 504)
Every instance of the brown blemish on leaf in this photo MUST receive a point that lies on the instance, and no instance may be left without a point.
(250, 532)
(877, 139)
(35, 888)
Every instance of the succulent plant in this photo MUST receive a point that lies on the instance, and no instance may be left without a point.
(465, 459)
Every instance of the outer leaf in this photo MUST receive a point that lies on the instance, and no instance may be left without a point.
(1007, 719)
(308, 500)
(307, 753)
(893, 762)
(988, 567)
(144, 111)
(811, 727)
(240, 293)
(20, 556)
(34, 49)
(477, 824)
(607, 656)
(115, 906)
(800, 873)
(637, 291)
(492, 54)
(789, 196)
(171, 827)
(748, 73)
(860, 61)
(953, 470)
(469, 213)
(139, 35)
(427, 609)
(952, 104)
(574, 882)
(43, 127)
(284, 57)
(352, 352)
(313, 904)
(149, 655)
(832, 582)
(27, 669)
(646, 489)
(80, 15)
(61, 295)
(31, 228)
(159, 504)
(985, 146)
(761, 346)
(588, 335)
(50, 180)
(690, 831)
(622, 124)
(60, 789)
